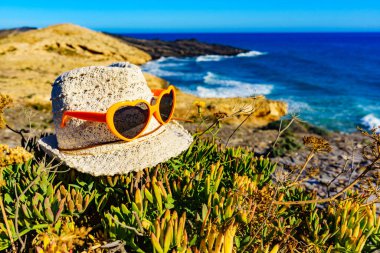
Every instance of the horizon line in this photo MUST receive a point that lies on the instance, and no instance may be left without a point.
(232, 32)
(120, 31)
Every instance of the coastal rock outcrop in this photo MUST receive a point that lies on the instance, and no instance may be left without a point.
(14, 31)
(261, 110)
(179, 48)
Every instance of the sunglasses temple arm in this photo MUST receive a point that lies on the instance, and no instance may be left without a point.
(184, 120)
(157, 92)
(88, 116)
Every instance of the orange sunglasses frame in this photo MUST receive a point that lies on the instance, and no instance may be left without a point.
(108, 116)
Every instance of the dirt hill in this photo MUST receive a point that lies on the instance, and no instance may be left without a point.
(30, 61)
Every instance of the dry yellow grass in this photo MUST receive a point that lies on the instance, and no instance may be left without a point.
(30, 61)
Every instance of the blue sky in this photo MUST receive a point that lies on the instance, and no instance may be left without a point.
(196, 15)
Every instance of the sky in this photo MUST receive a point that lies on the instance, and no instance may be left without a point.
(197, 15)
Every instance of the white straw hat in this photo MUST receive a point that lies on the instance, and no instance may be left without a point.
(90, 147)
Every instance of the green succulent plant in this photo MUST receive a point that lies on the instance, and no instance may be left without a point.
(209, 199)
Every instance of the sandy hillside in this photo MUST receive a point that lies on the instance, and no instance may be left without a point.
(30, 61)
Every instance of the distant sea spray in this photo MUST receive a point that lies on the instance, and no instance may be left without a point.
(211, 57)
(221, 86)
(157, 67)
(370, 121)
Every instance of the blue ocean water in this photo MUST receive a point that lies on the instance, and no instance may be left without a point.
(330, 79)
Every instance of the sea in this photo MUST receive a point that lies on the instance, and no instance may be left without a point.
(331, 80)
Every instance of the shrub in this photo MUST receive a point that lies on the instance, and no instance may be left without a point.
(209, 199)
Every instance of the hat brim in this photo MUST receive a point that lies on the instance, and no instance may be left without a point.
(123, 157)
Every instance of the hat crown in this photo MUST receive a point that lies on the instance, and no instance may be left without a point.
(94, 89)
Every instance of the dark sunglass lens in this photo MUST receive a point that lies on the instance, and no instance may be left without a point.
(166, 106)
(129, 121)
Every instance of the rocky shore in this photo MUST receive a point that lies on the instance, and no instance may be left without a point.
(179, 48)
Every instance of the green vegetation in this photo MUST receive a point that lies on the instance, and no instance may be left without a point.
(287, 144)
(298, 126)
(209, 199)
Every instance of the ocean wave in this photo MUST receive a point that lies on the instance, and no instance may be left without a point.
(161, 59)
(155, 68)
(166, 67)
(370, 121)
(224, 92)
(172, 58)
(251, 54)
(230, 88)
(212, 57)
(297, 106)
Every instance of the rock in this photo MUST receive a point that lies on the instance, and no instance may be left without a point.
(13, 31)
(179, 48)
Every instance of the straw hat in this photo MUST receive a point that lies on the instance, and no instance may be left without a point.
(90, 147)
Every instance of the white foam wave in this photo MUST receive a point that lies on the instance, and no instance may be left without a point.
(370, 121)
(251, 54)
(161, 59)
(297, 106)
(231, 88)
(172, 58)
(154, 67)
(166, 67)
(211, 57)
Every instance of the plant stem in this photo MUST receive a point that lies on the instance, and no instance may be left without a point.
(309, 157)
(281, 131)
(6, 224)
(19, 132)
(303, 202)
(127, 227)
(249, 115)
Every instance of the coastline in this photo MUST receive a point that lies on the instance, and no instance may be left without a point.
(320, 76)
(179, 48)
(217, 81)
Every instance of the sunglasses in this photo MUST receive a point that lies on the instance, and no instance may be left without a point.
(127, 120)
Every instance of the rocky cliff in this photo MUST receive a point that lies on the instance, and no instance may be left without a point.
(14, 31)
(179, 48)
